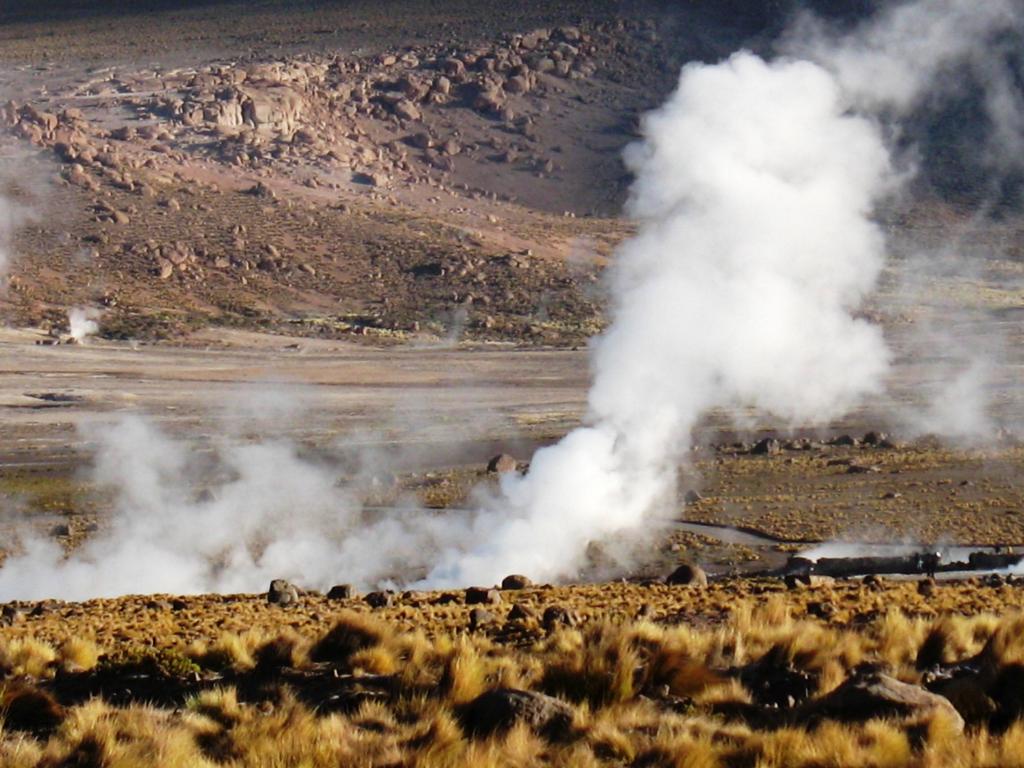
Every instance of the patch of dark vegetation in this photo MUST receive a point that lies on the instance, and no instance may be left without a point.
(133, 325)
(350, 633)
(24, 707)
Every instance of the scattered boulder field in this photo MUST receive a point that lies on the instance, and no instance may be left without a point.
(334, 193)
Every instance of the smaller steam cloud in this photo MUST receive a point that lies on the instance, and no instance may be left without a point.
(82, 323)
(265, 512)
(12, 215)
(946, 80)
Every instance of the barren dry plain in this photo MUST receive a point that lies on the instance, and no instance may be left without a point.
(379, 232)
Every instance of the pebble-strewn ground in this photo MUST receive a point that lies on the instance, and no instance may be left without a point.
(164, 621)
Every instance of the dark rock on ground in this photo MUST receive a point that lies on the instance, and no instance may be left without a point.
(873, 694)
(383, 599)
(521, 612)
(516, 581)
(480, 618)
(804, 579)
(842, 440)
(556, 616)
(282, 592)
(500, 709)
(340, 592)
(875, 438)
(821, 610)
(773, 681)
(11, 615)
(769, 446)
(688, 575)
(501, 464)
(482, 596)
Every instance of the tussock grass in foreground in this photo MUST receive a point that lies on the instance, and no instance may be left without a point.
(639, 694)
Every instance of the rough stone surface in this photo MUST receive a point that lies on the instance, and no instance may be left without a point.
(769, 446)
(688, 574)
(282, 592)
(521, 612)
(516, 581)
(480, 618)
(406, 110)
(380, 599)
(558, 616)
(482, 596)
(873, 694)
(502, 463)
(500, 709)
(340, 592)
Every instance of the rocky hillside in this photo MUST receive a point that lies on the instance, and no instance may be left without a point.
(298, 168)
(426, 186)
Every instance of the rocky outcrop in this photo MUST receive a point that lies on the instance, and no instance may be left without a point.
(516, 581)
(482, 596)
(271, 107)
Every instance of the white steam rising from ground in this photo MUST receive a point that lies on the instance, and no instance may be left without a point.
(82, 323)
(755, 186)
(11, 216)
(271, 514)
(919, 55)
(5, 230)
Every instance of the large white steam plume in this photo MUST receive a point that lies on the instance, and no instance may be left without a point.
(754, 187)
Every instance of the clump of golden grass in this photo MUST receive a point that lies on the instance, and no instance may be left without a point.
(285, 650)
(78, 654)
(26, 656)
(598, 666)
(229, 651)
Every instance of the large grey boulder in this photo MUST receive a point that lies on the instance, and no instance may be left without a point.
(873, 694)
